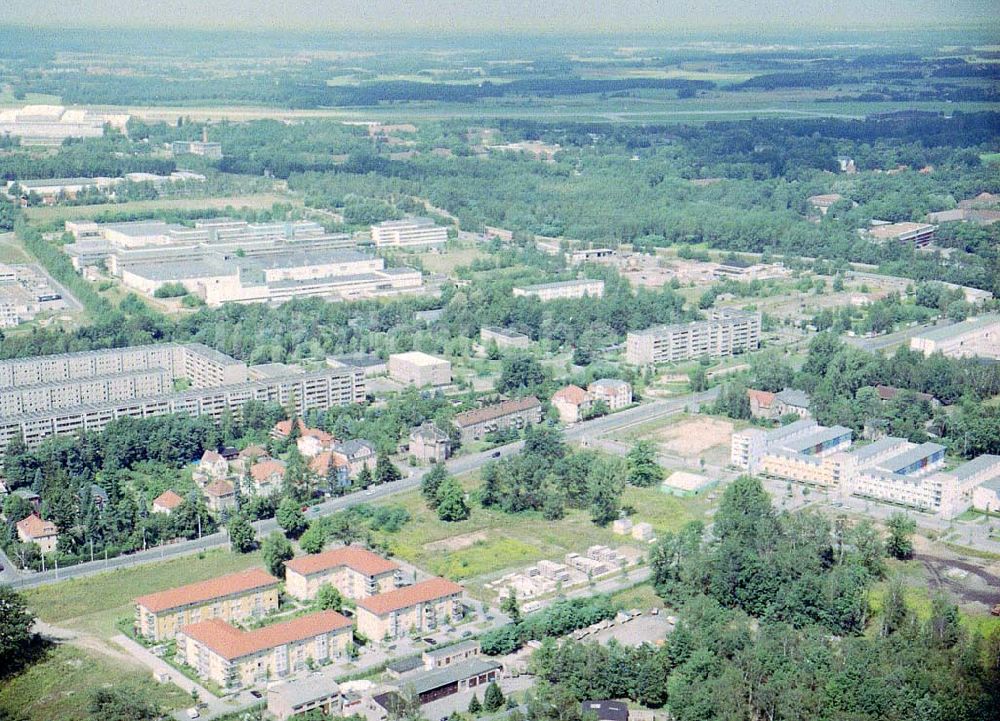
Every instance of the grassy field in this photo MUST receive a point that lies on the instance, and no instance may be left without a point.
(491, 542)
(255, 201)
(58, 687)
(449, 260)
(11, 250)
(642, 597)
(95, 604)
(989, 158)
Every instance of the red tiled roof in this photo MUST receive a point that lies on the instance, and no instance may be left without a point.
(571, 394)
(422, 592)
(168, 499)
(320, 464)
(265, 469)
(34, 527)
(232, 643)
(321, 436)
(253, 451)
(887, 393)
(211, 457)
(763, 398)
(219, 587)
(359, 559)
(219, 488)
(283, 429)
(489, 413)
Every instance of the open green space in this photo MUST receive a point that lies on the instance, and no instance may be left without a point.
(58, 688)
(254, 201)
(11, 251)
(95, 604)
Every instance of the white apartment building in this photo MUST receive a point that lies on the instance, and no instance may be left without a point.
(727, 332)
(417, 233)
(419, 369)
(563, 289)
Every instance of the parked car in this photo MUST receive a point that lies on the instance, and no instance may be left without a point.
(495, 454)
(193, 712)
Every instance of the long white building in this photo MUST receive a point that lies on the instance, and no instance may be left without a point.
(409, 233)
(726, 332)
(63, 394)
(889, 470)
(52, 124)
(979, 336)
(562, 289)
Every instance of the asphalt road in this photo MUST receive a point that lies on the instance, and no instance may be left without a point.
(590, 429)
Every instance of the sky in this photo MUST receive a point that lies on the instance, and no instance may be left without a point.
(500, 15)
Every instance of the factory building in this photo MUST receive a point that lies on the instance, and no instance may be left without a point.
(979, 336)
(562, 290)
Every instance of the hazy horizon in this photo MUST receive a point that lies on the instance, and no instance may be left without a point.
(578, 16)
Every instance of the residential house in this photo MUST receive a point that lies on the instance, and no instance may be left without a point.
(791, 401)
(267, 476)
(617, 394)
(421, 607)
(357, 453)
(572, 402)
(167, 502)
(313, 441)
(516, 413)
(283, 429)
(888, 393)
(355, 572)
(331, 470)
(233, 658)
(246, 458)
(220, 496)
(211, 466)
(429, 444)
(35, 530)
(761, 403)
(234, 597)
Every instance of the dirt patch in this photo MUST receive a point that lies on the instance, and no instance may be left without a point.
(968, 582)
(695, 436)
(456, 543)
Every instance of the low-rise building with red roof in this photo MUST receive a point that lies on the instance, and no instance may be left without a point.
(233, 658)
(234, 597)
(220, 496)
(167, 502)
(572, 402)
(355, 572)
(421, 607)
(34, 529)
(267, 476)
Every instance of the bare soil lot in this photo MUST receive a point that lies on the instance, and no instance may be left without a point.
(694, 437)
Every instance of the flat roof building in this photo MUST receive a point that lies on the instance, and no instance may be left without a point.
(503, 337)
(287, 699)
(979, 336)
(562, 290)
(417, 233)
(419, 369)
(917, 234)
(727, 332)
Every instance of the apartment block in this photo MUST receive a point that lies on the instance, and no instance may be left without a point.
(68, 393)
(233, 658)
(421, 607)
(235, 597)
(979, 336)
(355, 572)
(727, 332)
(616, 393)
(419, 369)
(516, 413)
(562, 290)
(919, 235)
(417, 233)
(905, 478)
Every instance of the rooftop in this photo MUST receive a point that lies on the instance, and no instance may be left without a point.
(418, 359)
(957, 329)
(793, 397)
(218, 587)
(910, 456)
(431, 680)
(305, 690)
(609, 383)
(822, 435)
(880, 446)
(606, 710)
(976, 466)
(422, 592)
(358, 360)
(429, 431)
(505, 332)
(359, 559)
(232, 643)
(404, 223)
(481, 415)
(561, 284)
(799, 426)
(896, 230)
(453, 649)
(571, 394)
(34, 527)
(168, 499)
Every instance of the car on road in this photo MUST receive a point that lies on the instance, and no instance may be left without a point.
(193, 712)
(430, 641)
(256, 694)
(370, 492)
(495, 454)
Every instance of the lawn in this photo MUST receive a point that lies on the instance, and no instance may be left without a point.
(95, 603)
(642, 597)
(59, 213)
(491, 542)
(11, 250)
(58, 687)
